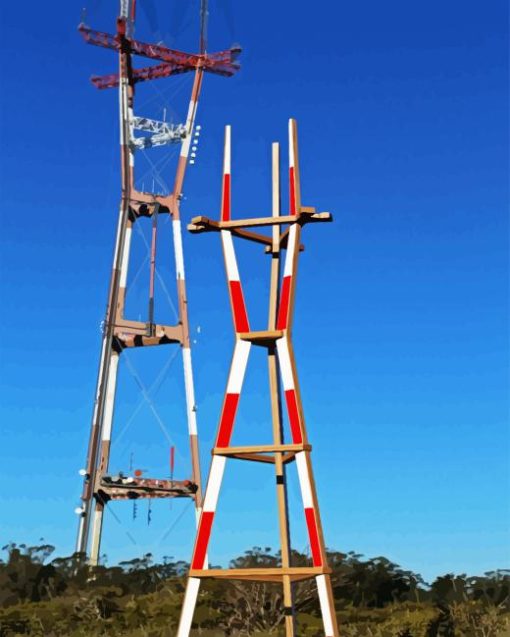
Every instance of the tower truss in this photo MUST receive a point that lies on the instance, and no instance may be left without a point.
(119, 332)
(276, 340)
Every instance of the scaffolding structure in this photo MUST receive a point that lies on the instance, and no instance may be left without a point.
(276, 339)
(121, 333)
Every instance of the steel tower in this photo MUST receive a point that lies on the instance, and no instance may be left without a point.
(119, 332)
(277, 341)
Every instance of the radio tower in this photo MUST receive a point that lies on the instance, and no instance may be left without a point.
(277, 341)
(119, 332)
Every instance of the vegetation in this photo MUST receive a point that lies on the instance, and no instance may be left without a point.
(44, 596)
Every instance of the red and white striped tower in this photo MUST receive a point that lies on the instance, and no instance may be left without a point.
(119, 332)
(286, 235)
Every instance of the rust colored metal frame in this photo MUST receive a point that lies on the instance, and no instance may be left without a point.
(120, 333)
(282, 374)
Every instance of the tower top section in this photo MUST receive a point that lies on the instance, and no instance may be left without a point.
(171, 61)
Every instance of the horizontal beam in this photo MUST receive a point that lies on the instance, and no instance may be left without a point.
(144, 74)
(220, 63)
(295, 573)
(204, 224)
(258, 449)
(159, 52)
(133, 488)
(266, 338)
(137, 334)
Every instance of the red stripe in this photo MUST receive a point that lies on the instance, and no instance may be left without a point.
(240, 317)
(225, 212)
(313, 534)
(295, 423)
(203, 535)
(283, 308)
(227, 420)
(292, 191)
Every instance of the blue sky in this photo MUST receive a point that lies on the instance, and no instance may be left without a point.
(401, 330)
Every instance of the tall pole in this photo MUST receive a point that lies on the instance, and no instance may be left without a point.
(276, 404)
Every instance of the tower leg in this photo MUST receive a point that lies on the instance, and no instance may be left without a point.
(104, 456)
(97, 527)
(88, 485)
(190, 600)
(186, 362)
(325, 591)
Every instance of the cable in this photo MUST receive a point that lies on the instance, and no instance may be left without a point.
(174, 523)
(153, 389)
(116, 518)
(152, 407)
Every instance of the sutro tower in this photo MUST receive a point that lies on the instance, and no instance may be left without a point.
(120, 332)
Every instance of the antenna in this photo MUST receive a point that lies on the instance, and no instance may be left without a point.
(204, 18)
(120, 332)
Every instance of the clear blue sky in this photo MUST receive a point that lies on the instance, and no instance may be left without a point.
(402, 313)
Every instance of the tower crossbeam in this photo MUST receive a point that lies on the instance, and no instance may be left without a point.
(174, 62)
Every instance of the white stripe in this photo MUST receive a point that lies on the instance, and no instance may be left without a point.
(214, 483)
(123, 113)
(188, 607)
(291, 247)
(185, 146)
(326, 609)
(124, 8)
(99, 380)
(190, 391)
(117, 238)
(230, 255)
(226, 157)
(285, 364)
(189, 129)
(131, 136)
(125, 258)
(189, 118)
(238, 367)
(96, 536)
(198, 513)
(304, 480)
(110, 397)
(179, 256)
(292, 159)
(81, 528)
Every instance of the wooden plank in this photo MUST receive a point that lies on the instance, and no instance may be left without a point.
(254, 457)
(265, 338)
(229, 451)
(295, 573)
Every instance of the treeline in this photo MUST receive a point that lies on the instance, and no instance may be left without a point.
(48, 596)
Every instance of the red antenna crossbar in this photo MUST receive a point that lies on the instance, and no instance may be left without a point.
(140, 75)
(174, 62)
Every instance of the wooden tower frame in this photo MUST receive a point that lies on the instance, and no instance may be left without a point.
(277, 340)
